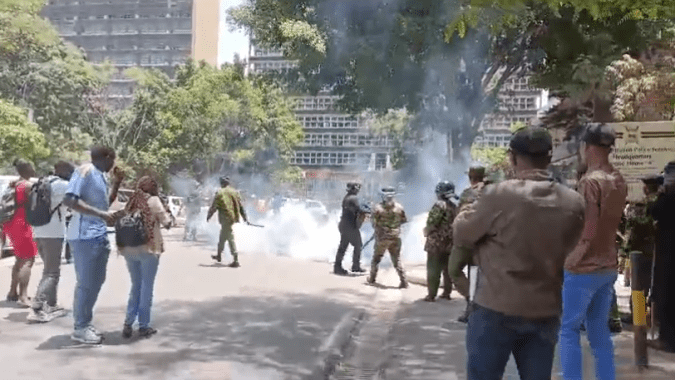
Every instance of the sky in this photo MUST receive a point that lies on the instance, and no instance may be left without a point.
(230, 42)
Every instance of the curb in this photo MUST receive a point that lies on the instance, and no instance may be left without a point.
(333, 348)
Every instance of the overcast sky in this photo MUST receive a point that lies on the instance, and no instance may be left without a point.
(230, 42)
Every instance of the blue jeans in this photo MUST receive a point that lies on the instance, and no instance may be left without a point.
(587, 298)
(142, 270)
(91, 260)
(492, 337)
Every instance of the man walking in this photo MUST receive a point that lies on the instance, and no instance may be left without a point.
(49, 239)
(90, 197)
(520, 232)
(388, 216)
(591, 269)
(230, 210)
(353, 213)
(438, 232)
(460, 257)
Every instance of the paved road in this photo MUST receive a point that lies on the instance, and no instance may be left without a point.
(274, 318)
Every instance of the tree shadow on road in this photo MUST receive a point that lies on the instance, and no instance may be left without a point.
(282, 334)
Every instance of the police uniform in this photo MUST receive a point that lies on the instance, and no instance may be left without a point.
(387, 218)
(227, 202)
(438, 232)
(353, 214)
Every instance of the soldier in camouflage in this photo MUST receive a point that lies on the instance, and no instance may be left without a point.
(460, 257)
(230, 210)
(387, 218)
(438, 232)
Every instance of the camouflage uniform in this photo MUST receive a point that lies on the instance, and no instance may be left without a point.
(230, 210)
(438, 245)
(461, 256)
(387, 220)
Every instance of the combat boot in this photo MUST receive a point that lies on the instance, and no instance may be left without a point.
(339, 270)
(371, 279)
(403, 284)
(216, 257)
(235, 264)
(357, 269)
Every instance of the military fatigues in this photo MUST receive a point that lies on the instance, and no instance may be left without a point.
(461, 256)
(387, 220)
(230, 210)
(641, 234)
(438, 245)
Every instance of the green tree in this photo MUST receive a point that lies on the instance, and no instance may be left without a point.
(382, 55)
(19, 138)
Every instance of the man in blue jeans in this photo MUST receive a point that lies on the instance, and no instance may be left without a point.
(591, 269)
(89, 196)
(520, 232)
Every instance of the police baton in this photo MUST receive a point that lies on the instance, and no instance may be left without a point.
(368, 241)
(255, 225)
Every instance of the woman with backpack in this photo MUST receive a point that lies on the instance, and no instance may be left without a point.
(141, 249)
(20, 233)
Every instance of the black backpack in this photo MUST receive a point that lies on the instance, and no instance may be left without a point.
(39, 209)
(130, 231)
(8, 205)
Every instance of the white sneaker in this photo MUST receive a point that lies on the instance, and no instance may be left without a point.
(86, 336)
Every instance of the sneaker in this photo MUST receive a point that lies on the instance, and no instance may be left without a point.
(146, 332)
(94, 330)
(36, 316)
(127, 331)
(54, 312)
(86, 335)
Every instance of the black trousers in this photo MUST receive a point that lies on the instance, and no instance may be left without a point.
(349, 236)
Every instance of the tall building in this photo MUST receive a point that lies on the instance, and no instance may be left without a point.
(517, 102)
(338, 147)
(138, 33)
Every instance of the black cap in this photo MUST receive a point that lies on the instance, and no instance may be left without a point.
(532, 141)
(225, 179)
(599, 135)
(388, 190)
(670, 167)
(653, 179)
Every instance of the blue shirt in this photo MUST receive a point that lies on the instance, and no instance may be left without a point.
(89, 185)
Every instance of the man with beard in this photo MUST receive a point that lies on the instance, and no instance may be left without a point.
(353, 214)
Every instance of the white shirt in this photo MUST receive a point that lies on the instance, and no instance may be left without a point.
(56, 228)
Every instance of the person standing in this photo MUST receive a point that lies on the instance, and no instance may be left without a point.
(460, 257)
(591, 268)
(49, 239)
(227, 202)
(353, 213)
(143, 261)
(194, 209)
(438, 232)
(663, 296)
(388, 216)
(520, 232)
(89, 196)
(20, 234)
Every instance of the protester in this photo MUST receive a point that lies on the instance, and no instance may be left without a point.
(520, 232)
(90, 197)
(20, 234)
(591, 268)
(143, 261)
(663, 295)
(49, 239)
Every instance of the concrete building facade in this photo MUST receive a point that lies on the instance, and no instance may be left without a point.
(518, 102)
(338, 147)
(138, 33)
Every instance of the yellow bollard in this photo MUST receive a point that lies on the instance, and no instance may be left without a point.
(638, 288)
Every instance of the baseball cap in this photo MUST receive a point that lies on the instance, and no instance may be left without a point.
(599, 135)
(532, 141)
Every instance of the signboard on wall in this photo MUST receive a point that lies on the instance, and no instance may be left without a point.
(642, 149)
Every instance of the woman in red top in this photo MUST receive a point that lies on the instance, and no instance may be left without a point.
(20, 234)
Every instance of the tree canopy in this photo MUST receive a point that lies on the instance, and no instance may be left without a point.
(19, 138)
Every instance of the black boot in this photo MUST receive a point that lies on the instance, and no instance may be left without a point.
(216, 257)
(357, 269)
(339, 270)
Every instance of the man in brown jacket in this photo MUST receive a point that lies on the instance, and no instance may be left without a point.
(520, 232)
(591, 269)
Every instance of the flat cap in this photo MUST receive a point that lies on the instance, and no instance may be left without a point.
(599, 135)
(532, 141)
(653, 179)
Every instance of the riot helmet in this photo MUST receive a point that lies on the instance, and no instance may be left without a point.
(445, 189)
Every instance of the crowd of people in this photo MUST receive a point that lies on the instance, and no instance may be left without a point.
(87, 193)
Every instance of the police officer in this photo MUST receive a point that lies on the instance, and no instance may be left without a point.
(438, 232)
(388, 216)
(460, 257)
(353, 215)
(227, 202)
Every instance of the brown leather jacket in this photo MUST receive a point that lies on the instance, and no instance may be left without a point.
(605, 192)
(521, 231)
